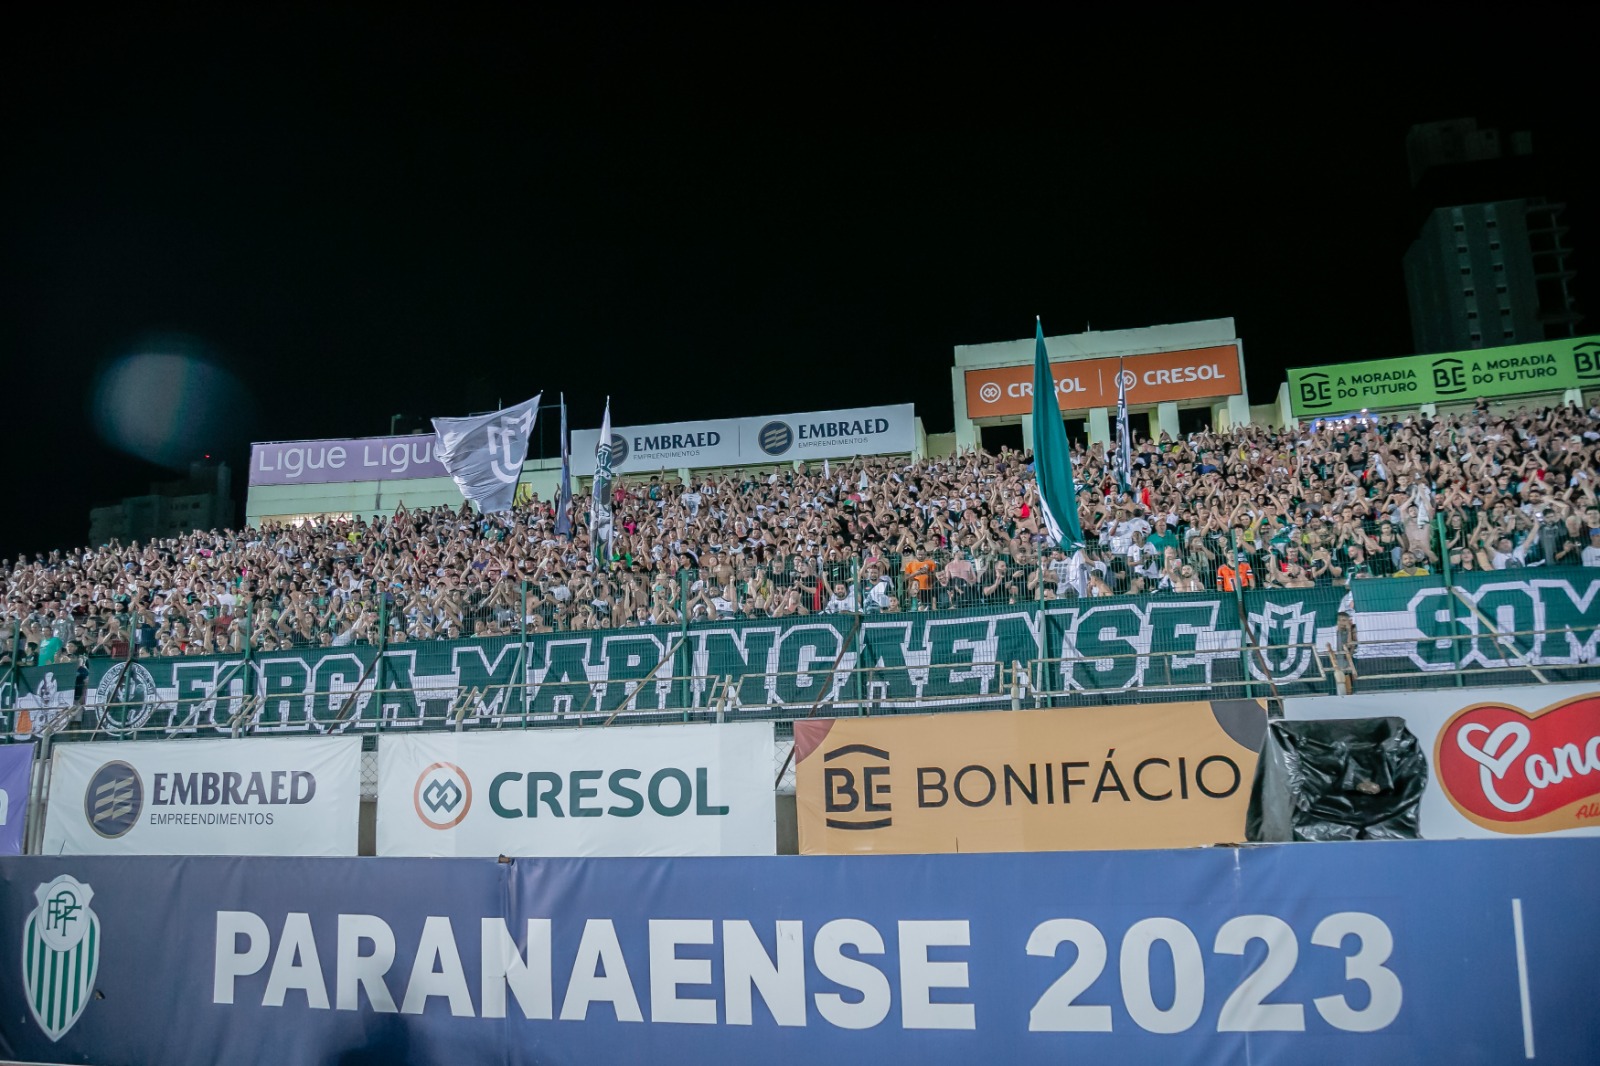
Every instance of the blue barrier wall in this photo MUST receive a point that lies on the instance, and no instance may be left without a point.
(1367, 952)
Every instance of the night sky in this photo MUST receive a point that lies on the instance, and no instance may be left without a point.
(361, 214)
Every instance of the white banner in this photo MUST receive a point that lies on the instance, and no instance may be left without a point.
(633, 790)
(1501, 761)
(837, 434)
(277, 796)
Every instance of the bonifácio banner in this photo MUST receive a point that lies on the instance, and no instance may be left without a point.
(1409, 952)
(277, 796)
(842, 433)
(1501, 761)
(640, 790)
(16, 768)
(1160, 775)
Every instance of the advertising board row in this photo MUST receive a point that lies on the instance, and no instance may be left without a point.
(1502, 763)
(1081, 384)
(1451, 377)
(836, 434)
(816, 435)
(1409, 952)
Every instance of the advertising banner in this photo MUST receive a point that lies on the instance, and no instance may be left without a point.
(1501, 761)
(1418, 952)
(331, 462)
(842, 433)
(16, 769)
(1159, 775)
(1081, 384)
(642, 790)
(1182, 645)
(278, 796)
(1450, 377)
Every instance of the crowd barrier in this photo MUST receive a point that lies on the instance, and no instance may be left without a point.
(1525, 626)
(1409, 952)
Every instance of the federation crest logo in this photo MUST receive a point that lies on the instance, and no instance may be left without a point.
(127, 705)
(442, 796)
(1286, 636)
(60, 954)
(775, 437)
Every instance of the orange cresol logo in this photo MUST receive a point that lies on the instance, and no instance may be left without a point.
(1514, 771)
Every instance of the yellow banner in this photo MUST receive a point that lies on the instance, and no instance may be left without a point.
(1161, 775)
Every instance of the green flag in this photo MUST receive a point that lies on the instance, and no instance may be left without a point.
(1052, 461)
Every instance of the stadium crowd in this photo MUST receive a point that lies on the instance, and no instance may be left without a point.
(1321, 505)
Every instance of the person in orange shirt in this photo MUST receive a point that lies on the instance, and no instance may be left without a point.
(1241, 572)
(919, 577)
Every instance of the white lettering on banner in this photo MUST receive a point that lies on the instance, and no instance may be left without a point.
(1542, 771)
(1179, 374)
(678, 953)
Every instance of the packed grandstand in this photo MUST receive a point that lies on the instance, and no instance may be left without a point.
(1318, 505)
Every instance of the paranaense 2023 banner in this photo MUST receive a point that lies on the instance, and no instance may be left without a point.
(1410, 952)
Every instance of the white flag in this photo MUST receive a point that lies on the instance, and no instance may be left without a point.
(601, 526)
(484, 453)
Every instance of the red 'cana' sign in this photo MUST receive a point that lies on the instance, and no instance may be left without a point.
(1514, 771)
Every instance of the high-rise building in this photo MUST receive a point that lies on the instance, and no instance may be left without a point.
(203, 500)
(1491, 265)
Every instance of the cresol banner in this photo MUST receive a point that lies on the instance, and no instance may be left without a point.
(641, 790)
(837, 434)
(1158, 775)
(1283, 954)
(1502, 761)
(284, 796)
(1176, 646)
(16, 771)
(328, 462)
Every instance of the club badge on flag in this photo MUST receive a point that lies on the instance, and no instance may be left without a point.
(484, 453)
(564, 491)
(60, 954)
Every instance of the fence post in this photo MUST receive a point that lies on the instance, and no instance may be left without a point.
(383, 642)
(249, 652)
(1041, 641)
(855, 635)
(683, 666)
(1244, 614)
(1450, 594)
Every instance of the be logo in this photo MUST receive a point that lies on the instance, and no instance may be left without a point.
(1449, 377)
(442, 796)
(1315, 391)
(1586, 360)
(856, 789)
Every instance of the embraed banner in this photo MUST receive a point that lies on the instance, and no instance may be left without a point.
(640, 790)
(278, 796)
(1160, 775)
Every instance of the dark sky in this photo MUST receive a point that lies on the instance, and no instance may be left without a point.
(358, 214)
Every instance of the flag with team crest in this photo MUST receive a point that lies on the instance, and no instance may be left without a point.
(601, 524)
(483, 454)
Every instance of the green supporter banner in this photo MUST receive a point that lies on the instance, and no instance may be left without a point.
(1125, 648)
(1547, 366)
